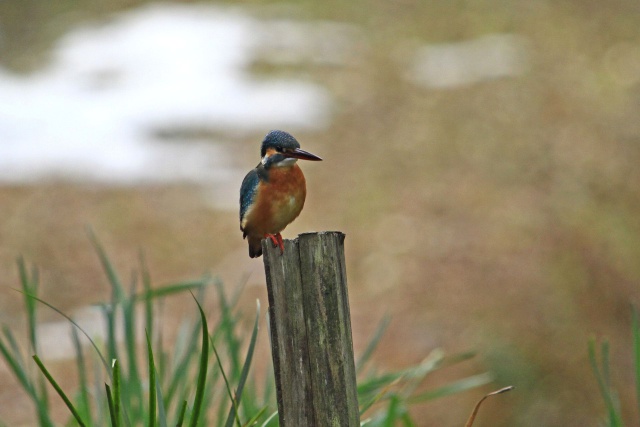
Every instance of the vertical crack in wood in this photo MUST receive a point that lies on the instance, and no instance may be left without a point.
(312, 346)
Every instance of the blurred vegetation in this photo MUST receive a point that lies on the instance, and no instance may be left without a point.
(602, 370)
(205, 378)
(178, 385)
(503, 215)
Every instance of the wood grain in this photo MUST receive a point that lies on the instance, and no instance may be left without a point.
(310, 328)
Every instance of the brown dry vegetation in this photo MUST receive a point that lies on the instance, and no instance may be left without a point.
(502, 217)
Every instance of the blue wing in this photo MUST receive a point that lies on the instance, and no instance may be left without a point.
(248, 192)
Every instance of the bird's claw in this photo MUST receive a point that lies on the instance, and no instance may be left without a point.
(276, 239)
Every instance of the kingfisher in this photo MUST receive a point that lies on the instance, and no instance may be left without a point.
(272, 195)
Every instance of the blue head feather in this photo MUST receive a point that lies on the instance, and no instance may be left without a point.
(278, 139)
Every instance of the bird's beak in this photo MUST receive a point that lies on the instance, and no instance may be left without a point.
(301, 154)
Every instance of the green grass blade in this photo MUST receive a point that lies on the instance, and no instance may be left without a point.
(270, 386)
(99, 397)
(117, 408)
(436, 360)
(614, 417)
(227, 327)
(635, 330)
(272, 416)
(183, 410)
(14, 348)
(132, 389)
(375, 394)
(148, 302)
(453, 388)
(392, 412)
(116, 286)
(181, 371)
(158, 340)
(152, 384)
(112, 409)
(29, 286)
(604, 354)
(245, 368)
(254, 420)
(84, 406)
(373, 343)
(373, 385)
(596, 369)
(202, 371)
(162, 413)
(457, 358)
(73, 322)
(212, 395)
(61, 393)
(364, 407)
(406, 420)
(226, 380)
(167, 290)
(402, 384)
(18, 368)
(117, 295)
(108, 311)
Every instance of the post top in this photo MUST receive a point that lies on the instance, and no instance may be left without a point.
(309, 233)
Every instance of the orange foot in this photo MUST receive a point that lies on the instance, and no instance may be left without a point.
(276, 239)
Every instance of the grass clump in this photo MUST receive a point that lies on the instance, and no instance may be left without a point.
(602, 371)
(176, 387)
(204, 379)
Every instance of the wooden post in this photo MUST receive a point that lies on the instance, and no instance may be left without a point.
(310, 328)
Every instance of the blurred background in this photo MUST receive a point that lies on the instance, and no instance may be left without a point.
(481, 156)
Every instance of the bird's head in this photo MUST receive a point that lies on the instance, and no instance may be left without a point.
(280, 148)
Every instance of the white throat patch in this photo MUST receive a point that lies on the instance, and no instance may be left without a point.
(286, 162)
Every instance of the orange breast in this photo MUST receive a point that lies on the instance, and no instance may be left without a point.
(278, 201)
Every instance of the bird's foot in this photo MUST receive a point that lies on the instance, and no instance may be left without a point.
(276, 239)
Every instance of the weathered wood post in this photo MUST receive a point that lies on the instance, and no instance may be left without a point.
(310, 327)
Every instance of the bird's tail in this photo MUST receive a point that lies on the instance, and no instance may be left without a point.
(255, 247)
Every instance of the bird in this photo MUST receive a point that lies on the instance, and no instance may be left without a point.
(273, 193)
